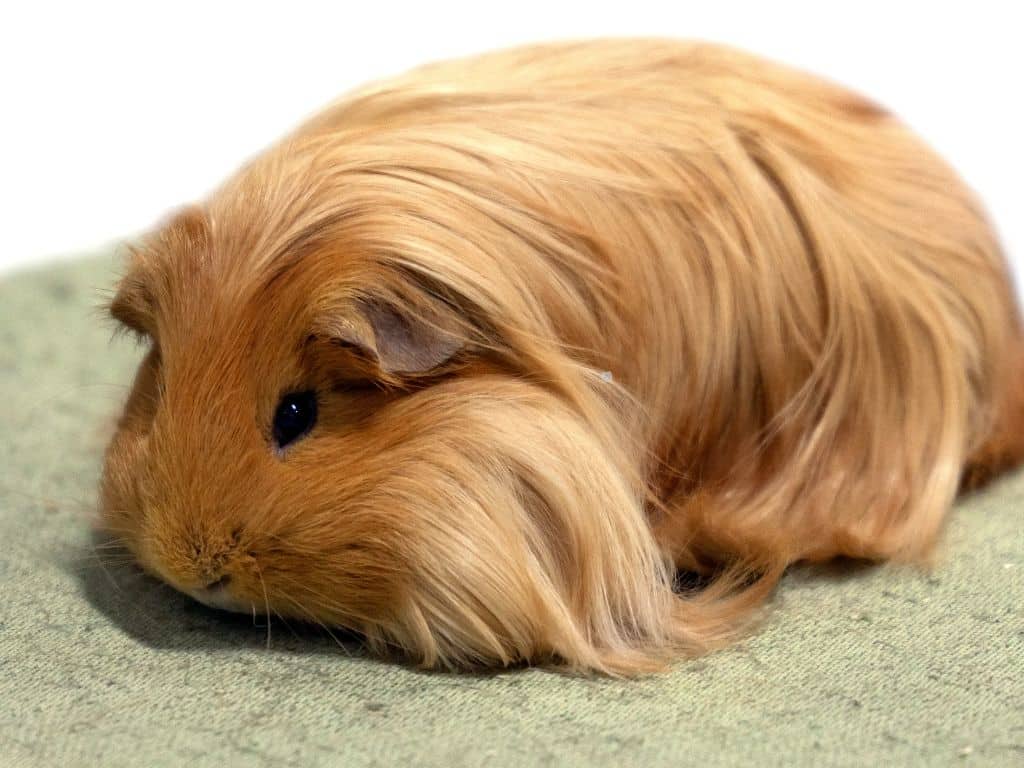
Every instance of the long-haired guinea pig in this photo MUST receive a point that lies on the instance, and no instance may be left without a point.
(475, 361)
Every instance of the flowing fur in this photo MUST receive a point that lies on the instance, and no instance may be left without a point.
(810, 328)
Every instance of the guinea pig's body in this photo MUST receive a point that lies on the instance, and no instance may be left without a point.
(375, 396)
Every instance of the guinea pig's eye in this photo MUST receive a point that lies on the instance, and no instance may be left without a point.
(294, 417)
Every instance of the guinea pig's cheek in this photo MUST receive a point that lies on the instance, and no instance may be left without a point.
(120, 507)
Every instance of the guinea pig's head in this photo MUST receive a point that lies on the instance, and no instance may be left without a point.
(324, 438)
(256, 431)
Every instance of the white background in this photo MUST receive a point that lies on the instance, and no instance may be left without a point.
(114, 114)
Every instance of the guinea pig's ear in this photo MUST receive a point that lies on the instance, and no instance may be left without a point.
(132, 305)
(396, 341)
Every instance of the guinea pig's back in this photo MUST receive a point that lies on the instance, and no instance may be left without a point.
(771, 263)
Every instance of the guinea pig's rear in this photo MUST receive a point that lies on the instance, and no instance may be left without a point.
(476, 359)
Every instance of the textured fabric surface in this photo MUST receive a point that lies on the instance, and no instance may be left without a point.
(101, 666)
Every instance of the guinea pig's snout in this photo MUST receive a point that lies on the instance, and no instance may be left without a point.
(217, 594)
(213, 586)
(207, 566)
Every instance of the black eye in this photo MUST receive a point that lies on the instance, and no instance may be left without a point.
(294, 417)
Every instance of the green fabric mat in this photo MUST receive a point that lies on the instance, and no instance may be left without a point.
(101, 666)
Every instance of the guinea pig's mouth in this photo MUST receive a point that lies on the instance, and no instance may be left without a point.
(219, 596)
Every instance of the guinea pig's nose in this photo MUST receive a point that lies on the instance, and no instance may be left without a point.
(217, 594)
(216, 584)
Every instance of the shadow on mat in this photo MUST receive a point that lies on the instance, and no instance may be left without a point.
(161, 617)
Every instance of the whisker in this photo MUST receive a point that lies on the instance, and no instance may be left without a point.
(94, 562)
(115, 544)
(266, 602)
(51, 399)
(284, 621)
(49, 501)
(318, 622)
(322, 601)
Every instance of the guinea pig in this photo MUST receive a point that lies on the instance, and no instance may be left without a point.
(476, 360)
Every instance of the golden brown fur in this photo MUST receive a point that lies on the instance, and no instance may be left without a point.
(810, 327)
